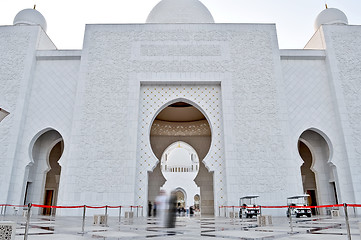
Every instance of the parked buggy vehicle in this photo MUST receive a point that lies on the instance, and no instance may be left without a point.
(249, 208)
(298, 200)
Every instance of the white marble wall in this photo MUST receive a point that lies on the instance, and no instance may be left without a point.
(255, 120)
(17, 47)
(311, 105)
(343, 50)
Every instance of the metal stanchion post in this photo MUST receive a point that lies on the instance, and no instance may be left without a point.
(2, 208)
(225, 212)
(5, 209)
(219, 211)
(83, 223)
(120, 212)
(106, 215)
(347, 222)
(241, 213)
(27, 222)
(137, 210)
(290, 214)
(233, 210)
(354, 212)
(260, 210)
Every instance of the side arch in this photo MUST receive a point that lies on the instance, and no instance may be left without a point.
(315, 149)
(43, 170)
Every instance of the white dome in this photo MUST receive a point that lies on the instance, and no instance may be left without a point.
(30, 17)
(179, 157)
(180, 11)
(330, 16)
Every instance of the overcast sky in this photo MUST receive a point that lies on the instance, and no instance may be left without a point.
(66, 19)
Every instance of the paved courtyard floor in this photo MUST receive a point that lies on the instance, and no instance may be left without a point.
(68, 228)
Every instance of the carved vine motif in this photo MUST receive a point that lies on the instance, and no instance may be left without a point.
(199, 128)
(347, 45)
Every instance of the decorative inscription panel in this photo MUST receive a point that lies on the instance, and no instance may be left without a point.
(180, 50)
(199, 128)
(168, 50)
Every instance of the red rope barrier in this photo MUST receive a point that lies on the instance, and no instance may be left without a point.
(353, 205)
(274, 206)
(47, 206)
(95, 207)
(98, 207)
(320, 206)
(81, 206)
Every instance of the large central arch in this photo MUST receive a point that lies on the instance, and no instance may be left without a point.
(183, 122)
(206, 98)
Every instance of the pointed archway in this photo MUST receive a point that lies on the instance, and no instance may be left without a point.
(318, 173)
(43, 173)
(182, 121)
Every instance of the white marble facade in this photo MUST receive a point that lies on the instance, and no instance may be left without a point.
(260, 103)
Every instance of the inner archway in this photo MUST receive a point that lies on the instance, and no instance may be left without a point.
(318, 174)
(180, 166)
(182, 122)
(43, 173)
(181, 198)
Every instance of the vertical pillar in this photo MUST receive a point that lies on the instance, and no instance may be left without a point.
(347, 221)
(27, 222)
(120, 212)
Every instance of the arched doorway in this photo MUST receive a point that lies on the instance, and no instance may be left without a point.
(179, 166)
(181, 198)
(318, 174)
(182, 122)
(43, 173)
(197, 200)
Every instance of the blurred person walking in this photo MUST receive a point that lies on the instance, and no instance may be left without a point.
(161, 201)
(172, 213)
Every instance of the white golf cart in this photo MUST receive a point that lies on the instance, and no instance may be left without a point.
(302, 210)
(249, 208)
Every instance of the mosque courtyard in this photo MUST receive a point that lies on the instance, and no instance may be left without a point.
(50, 228)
